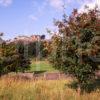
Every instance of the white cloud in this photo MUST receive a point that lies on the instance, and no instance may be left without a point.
(32, 17)
(42, 7)
(40, 10)
(5, 2)
(58, 4)
(91, 4)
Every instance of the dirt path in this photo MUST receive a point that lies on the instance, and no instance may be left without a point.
(44, 76)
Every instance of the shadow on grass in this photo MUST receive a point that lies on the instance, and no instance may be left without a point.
(88, 88)
(39, 72)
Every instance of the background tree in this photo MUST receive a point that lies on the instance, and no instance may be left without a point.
(1, 41)
(23, 60)
(34, 49)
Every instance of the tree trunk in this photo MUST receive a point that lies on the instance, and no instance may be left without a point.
(80, 90)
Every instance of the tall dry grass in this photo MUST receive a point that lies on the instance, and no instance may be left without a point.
(19, 89)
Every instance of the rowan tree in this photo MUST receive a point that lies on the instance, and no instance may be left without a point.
(76, 46)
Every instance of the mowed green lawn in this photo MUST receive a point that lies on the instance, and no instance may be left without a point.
(41, 66)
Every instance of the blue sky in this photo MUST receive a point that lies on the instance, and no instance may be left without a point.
(28, 17)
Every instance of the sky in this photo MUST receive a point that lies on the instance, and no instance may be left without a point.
(29, 17)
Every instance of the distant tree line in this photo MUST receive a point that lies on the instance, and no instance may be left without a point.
(16, 56)
(35, 49)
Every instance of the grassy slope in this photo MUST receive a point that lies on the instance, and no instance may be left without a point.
(11, 89)
(41, 66)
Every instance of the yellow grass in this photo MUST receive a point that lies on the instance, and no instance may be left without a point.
(18, 89)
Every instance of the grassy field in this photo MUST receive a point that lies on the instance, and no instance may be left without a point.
(12, 89)
(41, 66)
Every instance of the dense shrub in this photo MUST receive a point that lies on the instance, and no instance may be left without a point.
(11, 59)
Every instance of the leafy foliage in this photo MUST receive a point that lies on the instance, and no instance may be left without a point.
(24, 61)
(35, 49)
(11, 59)
(75, 46)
